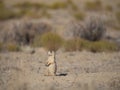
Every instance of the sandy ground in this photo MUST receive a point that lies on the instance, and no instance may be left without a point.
(79, 71)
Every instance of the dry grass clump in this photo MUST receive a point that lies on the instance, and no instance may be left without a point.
(72, 45)
(29, 5)
(6, 13)
(45, 13)
(31, 9)
(118, 5)
(58, 5)
(109, 8)
(12, 47)
(116, 27)
(37, 41)
(75, 44)
(79, 16)
(51, 41)
(1, 46)
(55, 5)
(81, 44)
(37, 10)
(102, 46)
(118, 16)
(63, 5)
(95, 5)
(72, 4)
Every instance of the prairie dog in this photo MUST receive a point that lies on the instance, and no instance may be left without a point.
(51, 64)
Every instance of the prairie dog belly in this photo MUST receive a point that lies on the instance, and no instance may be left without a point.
(52, 68)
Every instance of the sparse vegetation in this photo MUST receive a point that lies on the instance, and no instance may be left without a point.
(12, 47)
(45, 13)
(103, 46)
(51, 41)
(79, 16)
(29, 9)
(81, 44)
(116, 27)
(6, 12)
(72, 4)
(75, 44)
(29, 5)
(1, 4)
(58, 5)
(94, 29)
(70, 45)
(1, 46)
(95, 5)
(118, 16)
(118, 5)
(37, 41)
(109, 8)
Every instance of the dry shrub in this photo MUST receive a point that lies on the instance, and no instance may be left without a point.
(45, 13)
(29, 5)
(118, 16)
(1, 46)
(118, 5)
(23, 32)
(12, 47)
(102, 46)
(37, 41)
(51, 41)
(81, 44)
(79, 16)
(71, 45)
(109, 8)
(94, 29)
(6, 13)
(95, 5)
(58, 5)
(116, 27)
(30, 9)
(75, 44)
(72, 4)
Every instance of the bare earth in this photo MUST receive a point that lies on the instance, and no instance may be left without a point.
(79, 71)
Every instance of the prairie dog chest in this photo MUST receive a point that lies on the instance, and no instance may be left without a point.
(51, 60)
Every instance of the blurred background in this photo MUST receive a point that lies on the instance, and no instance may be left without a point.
(23, 22)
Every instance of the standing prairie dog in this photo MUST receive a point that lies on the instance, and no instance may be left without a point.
(51, 64)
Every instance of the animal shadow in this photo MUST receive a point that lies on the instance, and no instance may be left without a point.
(62, 74)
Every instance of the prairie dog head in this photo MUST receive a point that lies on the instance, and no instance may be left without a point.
(51, 53)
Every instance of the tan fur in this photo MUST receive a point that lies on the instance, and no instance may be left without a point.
(51, 64)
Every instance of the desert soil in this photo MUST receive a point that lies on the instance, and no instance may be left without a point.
(79, 71)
